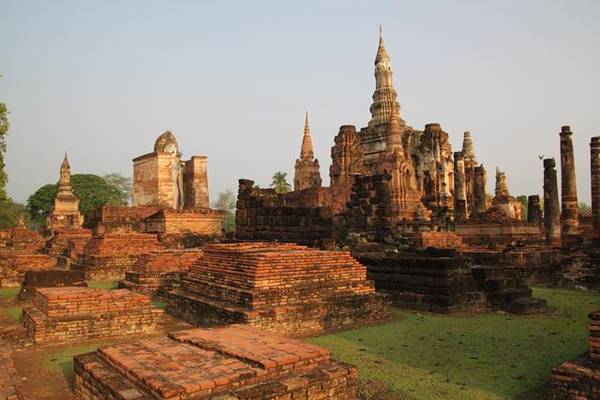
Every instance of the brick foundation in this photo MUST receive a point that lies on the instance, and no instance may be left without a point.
(107, 257)
(578, 379)
(283, 288)
(235, 362)
(79, 314)
(46, 279)
(156, 273)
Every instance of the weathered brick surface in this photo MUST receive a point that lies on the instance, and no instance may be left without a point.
(235, 362)
(51, 278)
(431, 282)
(78, 314)
(579, 379)
(21, 251)
(9, 380)
(200, 221)
(107, 257)
(158, 272)
(264, 215)
(120, 219)
(283, 288)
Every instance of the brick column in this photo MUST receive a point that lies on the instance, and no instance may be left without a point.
(569, 217)
(551, 206)
(534, 214)
(595, 167)
(479, 182)
(460, 189)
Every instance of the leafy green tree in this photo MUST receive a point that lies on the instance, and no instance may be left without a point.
(10, 212)
(91, 190)
(280, 182)
(122, 182)
(227, 201)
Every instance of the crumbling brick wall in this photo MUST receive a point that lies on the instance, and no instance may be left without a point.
(263, 214)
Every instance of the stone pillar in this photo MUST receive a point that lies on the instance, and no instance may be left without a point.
(534, 213)
(460, 188)
(479, 198)
(569, 218)
(595, 167)
(551, 206)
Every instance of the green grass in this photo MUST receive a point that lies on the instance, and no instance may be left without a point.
(9, 293)
(61, 362)
(13, 314)
(103, 284)
(159, 304)
(488, 356)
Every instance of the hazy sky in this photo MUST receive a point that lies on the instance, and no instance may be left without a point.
(232, 81)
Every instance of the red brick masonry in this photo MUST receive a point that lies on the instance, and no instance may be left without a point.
(580, 379)
(158, 272)
(281, 287)
(234, 362)
(77, 314)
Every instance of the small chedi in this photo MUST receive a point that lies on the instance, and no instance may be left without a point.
(578, 379)
(158, 272)
(65, 210)
(65, 314)
(234, 362)
(282, 288)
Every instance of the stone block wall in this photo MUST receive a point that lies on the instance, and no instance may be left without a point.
(199, 221)
(120, 219)
(51, 278)
(13, 266)
(235, 362)
(78, 314)
(282, 288)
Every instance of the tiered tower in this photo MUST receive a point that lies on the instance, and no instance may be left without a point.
(65, 211)
(307, 173)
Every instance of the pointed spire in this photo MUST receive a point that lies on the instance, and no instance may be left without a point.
(64, 181)
(65, 163)
(384, 99)
(306, 152)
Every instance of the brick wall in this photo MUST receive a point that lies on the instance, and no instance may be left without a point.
(78, 314)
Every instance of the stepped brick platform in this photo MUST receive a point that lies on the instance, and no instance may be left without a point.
(538, 264)
(437, 281)
(283, 288)
(505, 289)
(234, 362)
(66, 243)
(51, 278)
(580, 379)
(158, 272)
(108, 256)
(79, 314)
(21, 251)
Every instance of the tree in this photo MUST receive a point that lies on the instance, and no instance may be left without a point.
(91, 190)
(124, 183)
(227, 201)
(3, 131)
(280, 182)
(10, 213)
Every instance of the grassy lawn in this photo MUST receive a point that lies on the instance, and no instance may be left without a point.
(103, 284)
(61, 362)
(487, 356)
(9, 293)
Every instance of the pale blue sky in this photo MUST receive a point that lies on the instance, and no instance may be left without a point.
(232, 80)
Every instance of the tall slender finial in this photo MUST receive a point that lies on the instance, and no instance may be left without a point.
(306, 127)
